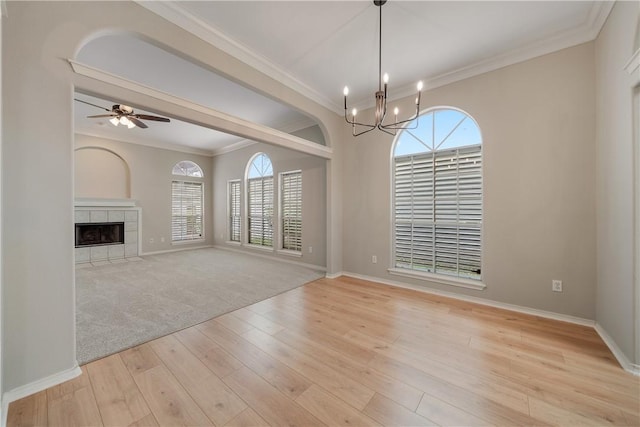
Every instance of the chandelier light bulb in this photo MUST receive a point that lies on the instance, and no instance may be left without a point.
(385, 78)
(420, 85)
(114, 121)
(396, 111)
(354, 112)
(346, 91)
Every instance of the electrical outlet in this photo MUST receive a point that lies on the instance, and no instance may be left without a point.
(374, 259)
(556, 285)
(310, 249)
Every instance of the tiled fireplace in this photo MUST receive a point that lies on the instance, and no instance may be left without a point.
(106, 230)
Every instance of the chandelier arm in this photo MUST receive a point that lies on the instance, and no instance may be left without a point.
(398, 125)
(363, 132)
(385, 130)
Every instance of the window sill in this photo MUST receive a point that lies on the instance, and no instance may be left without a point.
(258, 247)
(288, 252)
(439, 278)
(187, 242)
(232, 242)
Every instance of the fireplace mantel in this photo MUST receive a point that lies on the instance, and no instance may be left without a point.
(83, 202)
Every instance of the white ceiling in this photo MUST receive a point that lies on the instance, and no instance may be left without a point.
(318, 47)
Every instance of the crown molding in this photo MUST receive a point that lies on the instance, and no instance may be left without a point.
(233, 147)
(174, 13)
(633, 64)
(589, 30)
(155, 144)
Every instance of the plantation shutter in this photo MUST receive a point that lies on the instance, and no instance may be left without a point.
(438, 211)
(292, 211)
(261, 211)
(234, 211)
(186, 210)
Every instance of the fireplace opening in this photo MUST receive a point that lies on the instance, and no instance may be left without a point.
(98, 234)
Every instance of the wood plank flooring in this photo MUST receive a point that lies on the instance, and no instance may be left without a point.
(350, 352)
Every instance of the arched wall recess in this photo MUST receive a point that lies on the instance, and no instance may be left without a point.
(101, 173)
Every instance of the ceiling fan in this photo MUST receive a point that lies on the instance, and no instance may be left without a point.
(124, 115)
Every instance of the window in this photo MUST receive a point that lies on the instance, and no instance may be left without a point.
(187, 168)
(437, 195)
(186, 210)
(234, 211)
(260, 201)
(291, 210)
(187, 203)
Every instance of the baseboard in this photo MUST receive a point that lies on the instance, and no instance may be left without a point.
(334, 275)
(188, 248)
(622, 358)
(482, 301)
(288, 261)
(36, 386)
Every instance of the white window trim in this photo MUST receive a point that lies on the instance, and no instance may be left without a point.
(229, 241)
(477, 284)
(259, 247)
(442, 279)
(245, 239)
(188, 242)
(281, 217)
(289, 252)
(203, 236)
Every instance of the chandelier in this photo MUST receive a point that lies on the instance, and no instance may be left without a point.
(381, 100)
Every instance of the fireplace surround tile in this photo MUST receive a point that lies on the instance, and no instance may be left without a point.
(115, 251)
(130, 249)
(83, 254)
(98, 216)
(99, 253)
(83, 216)
(109, 210)
(116, 216)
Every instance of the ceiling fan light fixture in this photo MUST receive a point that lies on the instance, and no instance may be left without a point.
(115, 121)
(381, 99)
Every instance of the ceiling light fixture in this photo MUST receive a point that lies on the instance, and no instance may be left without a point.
(381, 99)
(122, 120)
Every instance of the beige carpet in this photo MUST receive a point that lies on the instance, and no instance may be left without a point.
(122, 305)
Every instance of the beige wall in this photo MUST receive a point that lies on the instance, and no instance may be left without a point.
(614, 171)
(537, 123)
(100, 173)
(232, 166)
(150, 184)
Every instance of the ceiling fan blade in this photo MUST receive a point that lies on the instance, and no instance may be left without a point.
(154, 118)
(102, 115)
(137, 122)
(93, 105)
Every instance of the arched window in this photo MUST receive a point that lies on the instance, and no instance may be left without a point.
(187, 203)
(437, 195)
(260, 201)
(187, 168)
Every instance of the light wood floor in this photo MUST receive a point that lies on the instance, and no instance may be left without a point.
(349, 352)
